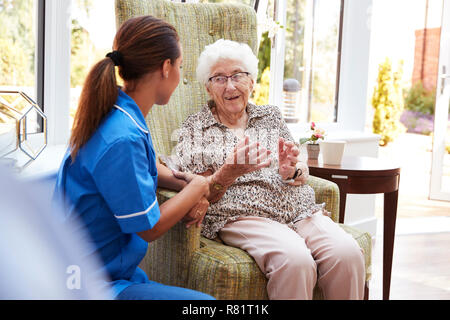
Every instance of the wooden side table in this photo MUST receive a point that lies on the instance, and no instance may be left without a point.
(365, 175)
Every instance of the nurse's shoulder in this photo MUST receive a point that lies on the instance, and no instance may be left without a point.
(116, 129)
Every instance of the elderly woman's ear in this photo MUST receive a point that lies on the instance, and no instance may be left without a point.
(251, 85)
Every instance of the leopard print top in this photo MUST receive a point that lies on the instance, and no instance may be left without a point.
(203, 145)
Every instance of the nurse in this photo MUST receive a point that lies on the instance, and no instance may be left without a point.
(109, 175)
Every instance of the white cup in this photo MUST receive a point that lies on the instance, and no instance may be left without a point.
(332, 151)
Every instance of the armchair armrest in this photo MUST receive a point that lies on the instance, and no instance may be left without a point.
(328, 192)
(175, 248)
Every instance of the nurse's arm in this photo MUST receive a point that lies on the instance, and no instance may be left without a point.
(174, 209)
(167, 180)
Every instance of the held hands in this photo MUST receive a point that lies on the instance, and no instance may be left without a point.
(197, 213)
(194, 179)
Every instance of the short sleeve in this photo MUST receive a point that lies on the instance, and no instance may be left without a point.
(124, 178)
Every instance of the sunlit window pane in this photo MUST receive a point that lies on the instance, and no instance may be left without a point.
(92, 35)
(324, 60)
(18, 45)
(18, 21)
(311, 58)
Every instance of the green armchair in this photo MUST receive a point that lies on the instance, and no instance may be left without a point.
(182, 257)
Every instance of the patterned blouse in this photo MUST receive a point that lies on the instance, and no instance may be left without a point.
(203, 145)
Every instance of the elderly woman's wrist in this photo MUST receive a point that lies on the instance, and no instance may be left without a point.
(304, 171)
(299, 173)
(223, 177)
(286, 176)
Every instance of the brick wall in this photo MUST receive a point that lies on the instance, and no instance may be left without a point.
(426, 60)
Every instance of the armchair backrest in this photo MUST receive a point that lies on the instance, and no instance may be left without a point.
(198, 25)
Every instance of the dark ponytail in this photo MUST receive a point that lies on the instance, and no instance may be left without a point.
(141, 45)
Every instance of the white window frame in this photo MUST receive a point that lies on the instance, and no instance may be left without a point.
(56, 79)
(437, 191)
(354, 66)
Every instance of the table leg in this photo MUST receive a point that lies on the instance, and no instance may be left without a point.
(390, 215)
(342, 201)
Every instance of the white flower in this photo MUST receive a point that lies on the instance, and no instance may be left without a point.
(267, 24)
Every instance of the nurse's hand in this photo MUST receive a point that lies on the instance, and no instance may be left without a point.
(193, 180)
(197, 213)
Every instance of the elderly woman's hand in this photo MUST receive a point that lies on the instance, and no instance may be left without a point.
(197, 213)
(245, 158)
(287, 158)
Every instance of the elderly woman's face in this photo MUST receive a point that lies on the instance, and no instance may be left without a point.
(230, 86)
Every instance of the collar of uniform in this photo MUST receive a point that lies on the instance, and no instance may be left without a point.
(127, 105)
(253, 111)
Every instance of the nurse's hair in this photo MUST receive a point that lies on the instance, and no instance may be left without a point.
(141, 46)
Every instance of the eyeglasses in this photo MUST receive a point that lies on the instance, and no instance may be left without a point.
(238, 77)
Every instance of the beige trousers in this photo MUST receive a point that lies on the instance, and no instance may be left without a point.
(320, 251)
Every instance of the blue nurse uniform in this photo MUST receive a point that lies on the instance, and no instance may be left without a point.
(111, 188)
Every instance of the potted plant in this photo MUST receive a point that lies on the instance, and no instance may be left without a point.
(313, 147)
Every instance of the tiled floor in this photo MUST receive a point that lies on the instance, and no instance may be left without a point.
(420, 268)
(421, 262)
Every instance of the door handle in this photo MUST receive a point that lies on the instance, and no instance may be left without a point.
(444, 76)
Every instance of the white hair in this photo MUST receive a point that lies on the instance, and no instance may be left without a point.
(226, 50)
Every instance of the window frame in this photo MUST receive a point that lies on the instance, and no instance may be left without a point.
(40, 51)
(54, 68)
(278, 56)
(354, 30)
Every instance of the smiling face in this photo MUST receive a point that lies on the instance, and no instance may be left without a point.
(230, 97)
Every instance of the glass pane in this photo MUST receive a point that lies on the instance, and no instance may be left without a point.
(295, 33)
(311, 58)
(294, 64)
(18, 21)
(324, 60)
(18, 45)
(93, 30)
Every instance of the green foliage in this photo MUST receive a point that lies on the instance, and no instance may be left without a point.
(387, 100)
(84, 54)
(263, 54)
(17, 43)
(14, 65)
(261, 94)
(295, 21)
(417, 98)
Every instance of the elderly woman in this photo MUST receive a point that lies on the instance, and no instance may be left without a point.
(259, 201)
